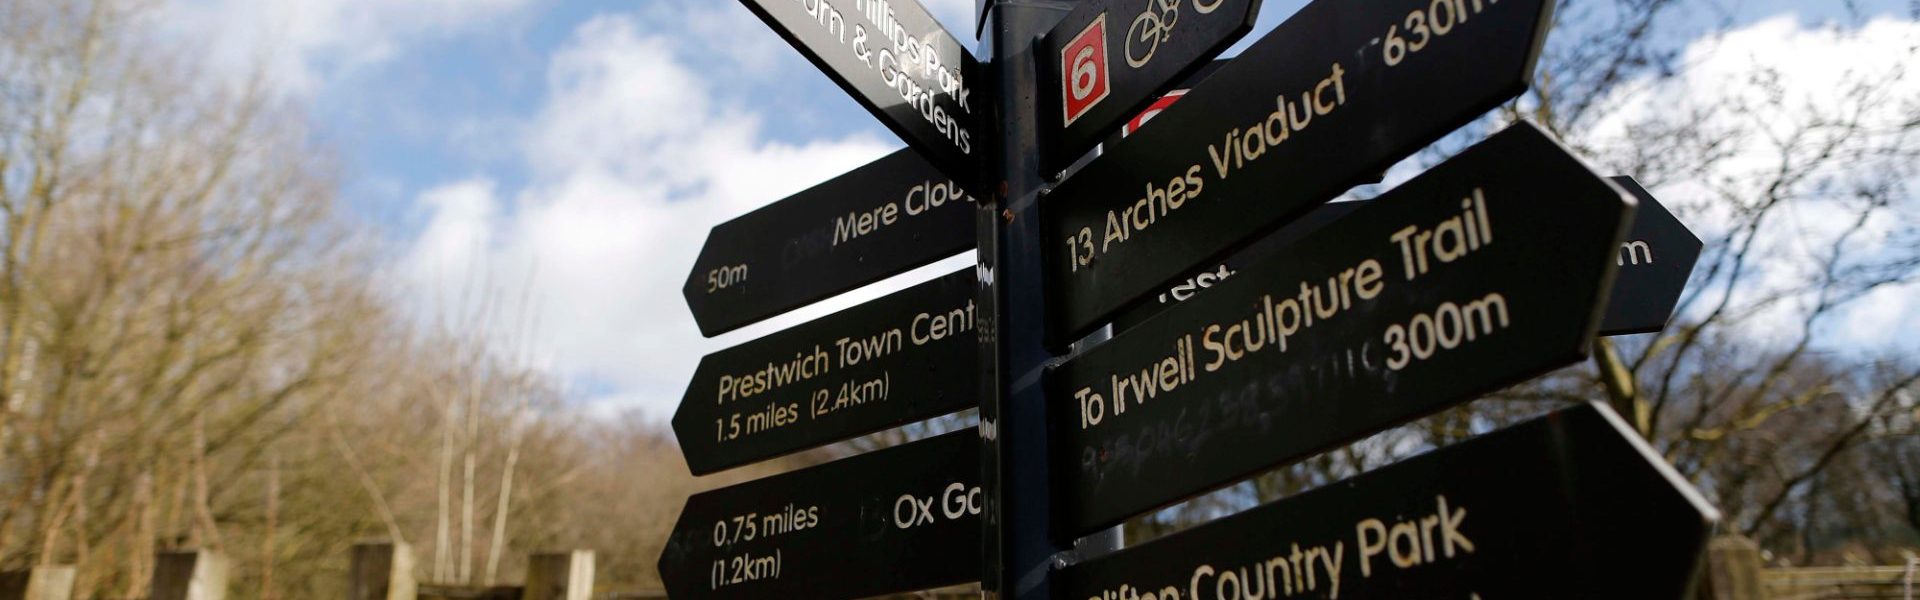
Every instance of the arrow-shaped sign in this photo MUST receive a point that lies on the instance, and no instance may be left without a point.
(904, 518)
(899, 63)
(1655, 261)
(1339, 91)
(1570, 505)
(1487, 270)
(1108, 59)
(892, 215)
(907, 356)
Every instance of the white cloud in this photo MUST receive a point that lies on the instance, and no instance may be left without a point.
(1765, 86)
(646, 137)
(633, 159)
(303, 45)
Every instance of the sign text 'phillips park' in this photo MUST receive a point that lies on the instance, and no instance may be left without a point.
(897, 61)
(1246, 322)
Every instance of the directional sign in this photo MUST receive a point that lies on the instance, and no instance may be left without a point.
(1655, 261)
(898, 62)
(1185, 289)
(908, 356)
(1339, 91)
(1571, 505)
(1488, 269)
(893, 214)
(1109, 58)
(893, 520)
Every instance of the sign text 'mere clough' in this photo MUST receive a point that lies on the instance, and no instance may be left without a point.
(905, 63)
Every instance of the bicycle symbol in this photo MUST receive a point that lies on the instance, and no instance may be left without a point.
(1155, 25)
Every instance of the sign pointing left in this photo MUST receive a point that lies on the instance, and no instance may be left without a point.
(899, 63)
(892, 215)
(906, 356)
(904, 518)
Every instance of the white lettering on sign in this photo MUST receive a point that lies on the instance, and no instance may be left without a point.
(910, 65)
(1319, 570)
(1186, 289)
(834, 396)
(920, 199)
(745, 568)
(1424, 25)
(1236, 149)
(1447, 241)
(1294, 112)
(804, 366)
(1411, 543)
(726, 277)
(1636, 252)
(956, 501)
(1280, 317)
(1244, 145)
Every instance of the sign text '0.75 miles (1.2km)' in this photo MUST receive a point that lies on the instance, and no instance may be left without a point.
(892, 520)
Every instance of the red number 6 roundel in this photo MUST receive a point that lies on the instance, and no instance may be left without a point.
(1084, 61)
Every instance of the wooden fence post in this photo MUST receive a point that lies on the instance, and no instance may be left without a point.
(38, 583)
(1732, 570)
(559, 576)
(189, 575)
(382, 571)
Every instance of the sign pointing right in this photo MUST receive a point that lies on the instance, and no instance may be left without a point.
(1655, 261)
(1482, 272)
(1339, 91)
(1571, 505)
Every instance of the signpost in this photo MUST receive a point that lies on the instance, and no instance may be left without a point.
(899, 63)
(1350, 318)
(1108, 59)
(899, 519)
(1655, 260)
(1338, 92)
(904, 357)
(1484, 271)
(892, 215)
(1571, 505)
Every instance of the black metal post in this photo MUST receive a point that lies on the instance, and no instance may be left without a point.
(1018, 550)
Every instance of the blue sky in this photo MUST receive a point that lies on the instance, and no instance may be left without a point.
(583, 148)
